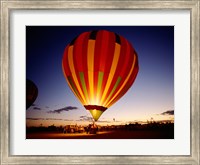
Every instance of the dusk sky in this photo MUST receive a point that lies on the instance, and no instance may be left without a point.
(151, 95)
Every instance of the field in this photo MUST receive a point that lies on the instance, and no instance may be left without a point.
(115, 134)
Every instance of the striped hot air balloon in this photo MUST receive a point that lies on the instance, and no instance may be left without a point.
(99, 66)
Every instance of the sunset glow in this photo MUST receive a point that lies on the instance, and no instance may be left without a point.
(150, 98)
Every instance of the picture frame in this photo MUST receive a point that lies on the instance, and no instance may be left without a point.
(8, 6)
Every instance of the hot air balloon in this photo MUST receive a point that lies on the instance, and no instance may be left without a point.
(31, 93)
(99, 66)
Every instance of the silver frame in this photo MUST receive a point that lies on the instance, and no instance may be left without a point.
(192, 5)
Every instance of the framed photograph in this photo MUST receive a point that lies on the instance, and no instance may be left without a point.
(101, 82)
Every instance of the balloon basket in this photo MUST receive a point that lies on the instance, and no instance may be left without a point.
(93, 128)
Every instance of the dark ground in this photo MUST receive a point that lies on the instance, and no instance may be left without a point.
(114, 134)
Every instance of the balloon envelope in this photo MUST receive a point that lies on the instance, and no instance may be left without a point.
(99, 66)
(31, 93)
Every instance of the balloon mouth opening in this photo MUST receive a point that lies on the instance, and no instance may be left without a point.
(97, 107)
(95, 110)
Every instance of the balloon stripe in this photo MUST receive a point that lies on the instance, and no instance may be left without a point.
(67, 73)
(107, 55)
(81, 74)
(95, 86)
(63, 68)
(99, 85)
(131, 80)
(124, 90)
(128, 84)
(90, 63)
(113, 90)
(126, 66)
(71, 66)
(98, 52)
(65, 63)
(112, 70)
(77, 56)
(126, 87)
(127, 59)
(120, 65)
(83, 53)
(70, 83)
(78, 51)
(126, 80)
(106, 50)
(130, 61)
(73, 88)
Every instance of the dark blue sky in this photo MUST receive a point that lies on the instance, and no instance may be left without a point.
(151, 94)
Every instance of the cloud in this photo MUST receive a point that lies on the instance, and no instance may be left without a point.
(85, 118)
(36, 108)
(68, 108)
(48, 119)
(68, 120)
(53, 119)
(169, 112)
(29, 118)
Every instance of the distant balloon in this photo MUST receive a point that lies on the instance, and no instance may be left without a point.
(99, 66)
(31, 93)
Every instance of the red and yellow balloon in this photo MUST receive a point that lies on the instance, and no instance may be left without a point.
(99, 66)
